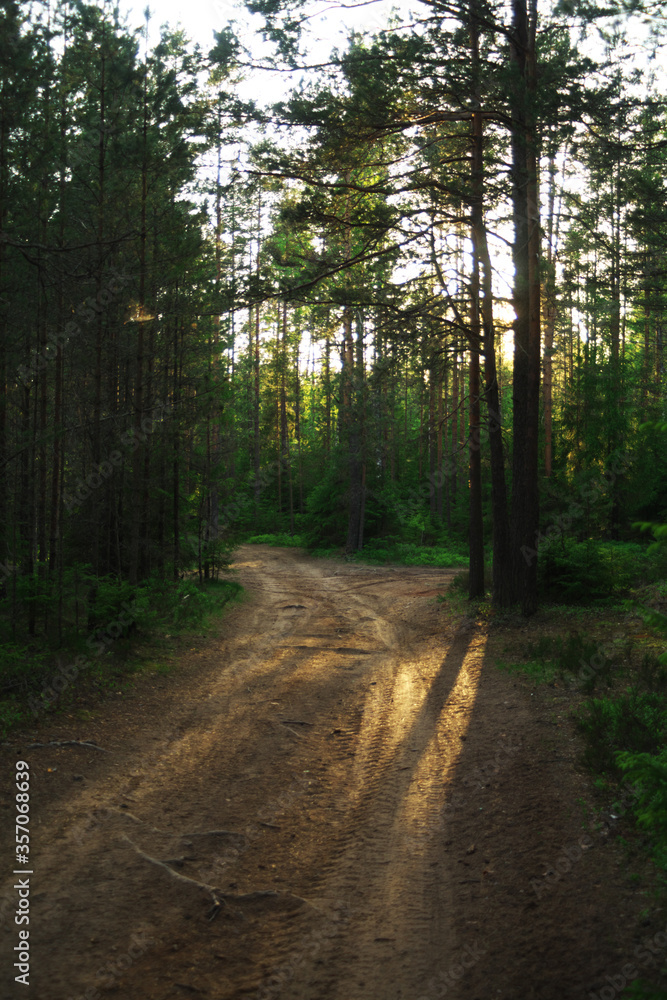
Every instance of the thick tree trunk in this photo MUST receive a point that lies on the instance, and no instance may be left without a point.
(476, 518)
(502, 595)
(483, 290)
(476, 523)
(525, 498)
(550, 319)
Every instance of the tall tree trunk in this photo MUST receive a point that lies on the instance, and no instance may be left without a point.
(455, 421)
(476, 519)
(550, 316)
(355, 530)
(439, 434)
(432, 431)
(646, 356)
(501, 550)
(297, 413)
(284, 431)
(445, 432)
(255, 352)
(421, 427)
(176, 450)
(43, 424)
(526, 251)
(232, 329)
(96, 502)
(327, 398)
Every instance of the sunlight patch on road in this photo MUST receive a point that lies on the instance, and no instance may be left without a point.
(421, 816)
(406, 761)
(457, 710)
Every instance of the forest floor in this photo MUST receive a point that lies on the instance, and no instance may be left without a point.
(344, 782)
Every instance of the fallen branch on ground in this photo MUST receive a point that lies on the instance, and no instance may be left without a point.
(218, 898)
(293, 732)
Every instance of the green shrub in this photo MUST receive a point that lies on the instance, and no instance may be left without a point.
(583, 660)
(648, 774)
(281, 539)
(326, 510)
(183, 604)
(108, 598)
(545, 648)
(587, 572)
(635, 722)
(653, 673)
(11, 715)
(22, 670)
(575, 573)
(99, 616)
(575, 659)
(625, 563)
(638, 989)
(392, 550)
(656, 563)
(539, 671)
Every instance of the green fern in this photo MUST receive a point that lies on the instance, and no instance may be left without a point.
(648, 774)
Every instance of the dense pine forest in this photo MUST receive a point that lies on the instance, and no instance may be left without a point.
(419, 301)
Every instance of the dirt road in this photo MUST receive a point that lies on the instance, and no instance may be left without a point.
(338, 797)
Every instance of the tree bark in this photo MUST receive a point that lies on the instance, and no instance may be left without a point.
(526, 295)
(357, 471)
(476, 517)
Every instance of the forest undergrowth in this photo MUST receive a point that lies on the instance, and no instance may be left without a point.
(99, 635)
(596, 651)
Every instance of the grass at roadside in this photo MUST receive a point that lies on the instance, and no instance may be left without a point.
(378, 551)
(128, 631)
(383, 551)
(281, 538)
(599, 667)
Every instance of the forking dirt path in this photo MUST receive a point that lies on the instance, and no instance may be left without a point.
(338, 797)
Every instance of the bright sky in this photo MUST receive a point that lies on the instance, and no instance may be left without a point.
(200, 18)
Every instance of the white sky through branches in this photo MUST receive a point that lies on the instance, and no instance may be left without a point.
(329, 25)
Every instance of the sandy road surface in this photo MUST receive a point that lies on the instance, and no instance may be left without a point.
(363, 804)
